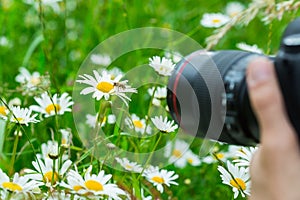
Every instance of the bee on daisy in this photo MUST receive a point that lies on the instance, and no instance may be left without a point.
(92, 185)
(237, 178)
(163, 66)
(50, 106)
(160, 178)
(104, 86)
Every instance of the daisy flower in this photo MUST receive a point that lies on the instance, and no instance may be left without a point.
(14, 102)
(251, 48)
(22, 116)
(175, 56)
(219, 155)
(234, 8)
(163, 66)
(159, 178)
(245, 155)
(104, 86)
(192, 158)
(214, 20)
(92, 184)
(237, 178)
(44, 171)
(138, 124)
(50, 106)
(50, 150)
(65, 137)
(19, 184)
(100, 59)
(92, 119)
(159, 94)
(164, 125)
(213, 158)
(59, 195)
(180, 154)
(4, 42)
(31, 81)
(129, 166)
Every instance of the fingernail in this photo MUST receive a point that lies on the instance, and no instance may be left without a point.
(259, 71)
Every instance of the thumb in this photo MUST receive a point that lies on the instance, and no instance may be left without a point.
(267, 102)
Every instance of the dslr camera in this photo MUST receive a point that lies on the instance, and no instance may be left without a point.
(208, 97)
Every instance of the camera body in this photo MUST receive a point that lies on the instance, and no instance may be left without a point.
(198, 102)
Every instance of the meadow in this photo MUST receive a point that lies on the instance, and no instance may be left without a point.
(83, 118)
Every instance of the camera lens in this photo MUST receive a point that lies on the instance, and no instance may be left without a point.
(194, 96)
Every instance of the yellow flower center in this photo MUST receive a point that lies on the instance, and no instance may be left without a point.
(12, 186)
(3, 110)
(238, 183)
(215, 21)
(77, 187)
(233, 14)
(20, 119)
(128, 166)
(105, 87)
(48, 176)
(138, 123)
(35, 81)
(177, 153)
(190, 160)
(220, 156)
(158, 179)
(64, 141)
(52, 107)
(93, 185)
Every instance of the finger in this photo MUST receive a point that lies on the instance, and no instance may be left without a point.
(267, 102)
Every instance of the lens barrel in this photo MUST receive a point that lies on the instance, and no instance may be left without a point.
(190, 92)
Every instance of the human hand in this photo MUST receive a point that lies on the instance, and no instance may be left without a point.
(275, 167)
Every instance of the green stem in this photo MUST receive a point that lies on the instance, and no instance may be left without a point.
(151, 154)
(53, 173)
(14, 153)
(137, 187)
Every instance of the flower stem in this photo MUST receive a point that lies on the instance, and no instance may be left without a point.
(151, 154)
(53, 173)
(12, 163)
